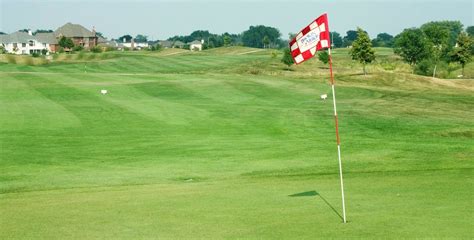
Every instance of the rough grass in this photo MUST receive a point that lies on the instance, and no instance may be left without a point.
(228, 145)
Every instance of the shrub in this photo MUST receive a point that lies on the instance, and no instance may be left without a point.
(77, 48)
(35, 54)
(424, 67)
(96, 49)
(44, 51)
(274, 54)
(60, 50)
(287, 59)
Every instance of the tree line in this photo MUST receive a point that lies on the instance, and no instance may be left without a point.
(425, 48)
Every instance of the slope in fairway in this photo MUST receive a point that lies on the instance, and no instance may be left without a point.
(230, 145)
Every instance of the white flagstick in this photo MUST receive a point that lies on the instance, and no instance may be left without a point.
(337, 136)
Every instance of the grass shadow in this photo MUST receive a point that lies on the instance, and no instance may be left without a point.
(314, 194)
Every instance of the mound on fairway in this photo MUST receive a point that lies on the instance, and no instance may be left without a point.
(222, 144)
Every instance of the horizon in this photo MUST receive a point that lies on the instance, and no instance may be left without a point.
(161, 20)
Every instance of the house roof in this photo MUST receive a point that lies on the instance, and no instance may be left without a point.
(73, 30)
(46, 38)
(166, 43)
(17, 37)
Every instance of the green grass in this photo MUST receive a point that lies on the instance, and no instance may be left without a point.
(213, 145)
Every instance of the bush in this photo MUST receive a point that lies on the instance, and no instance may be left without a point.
(35, 54)
(77, 48)
(126, 49)
(96, 49)
(274, 54)
(2, 50)
(44, 51)
(60, 50)
(425, 67)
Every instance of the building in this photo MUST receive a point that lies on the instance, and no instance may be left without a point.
(80, 35)
(105, 44)
(24, 43)
(178, 44)
(166, 44)
(50, 40)
(196, 45)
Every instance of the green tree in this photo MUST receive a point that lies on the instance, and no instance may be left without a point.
(125, 38)
(438, 37)
(141, 38)
(253, 37)
(323, 56)
(42, 31)
(99, 34)
(227, 40)
(462, 52)
(362, 49)
(470, 31)
(453, 27)
(336, 40)
(287, 59)
(66, 42)
(266, 42)
(350, 37)
(412, 45)
(383, 40)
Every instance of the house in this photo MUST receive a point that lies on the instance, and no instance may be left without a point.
(196, 45)
(50, 40)
(80, 35)
(166, 44)
(23, 43)
(178, 44)
(131, 44)
(106, 44)
(141, 44)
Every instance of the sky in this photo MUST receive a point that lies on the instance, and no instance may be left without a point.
(161, 19)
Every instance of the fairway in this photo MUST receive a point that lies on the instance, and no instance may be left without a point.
(229, 144)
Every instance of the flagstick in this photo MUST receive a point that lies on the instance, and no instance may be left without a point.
(337, 136)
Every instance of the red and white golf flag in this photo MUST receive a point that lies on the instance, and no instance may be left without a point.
(312, 38)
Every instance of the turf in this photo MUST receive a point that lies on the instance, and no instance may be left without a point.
(227, 143)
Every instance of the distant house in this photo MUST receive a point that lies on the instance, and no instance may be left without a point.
(140, 44)
(178, 44)
(80, 35)
(106, 44)
(48, 39)
(132, 44)
(196, 45)
(24, 43)
(166, 44)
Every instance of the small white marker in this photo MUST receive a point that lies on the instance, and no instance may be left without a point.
(103, 91)
(324, 96)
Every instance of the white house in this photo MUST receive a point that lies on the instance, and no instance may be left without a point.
(134, 45)
(196, 45)
(24, 43)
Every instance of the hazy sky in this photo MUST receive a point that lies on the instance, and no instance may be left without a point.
(164, 18)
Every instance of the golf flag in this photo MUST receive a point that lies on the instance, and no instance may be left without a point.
(304, 46)
(312, 38)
